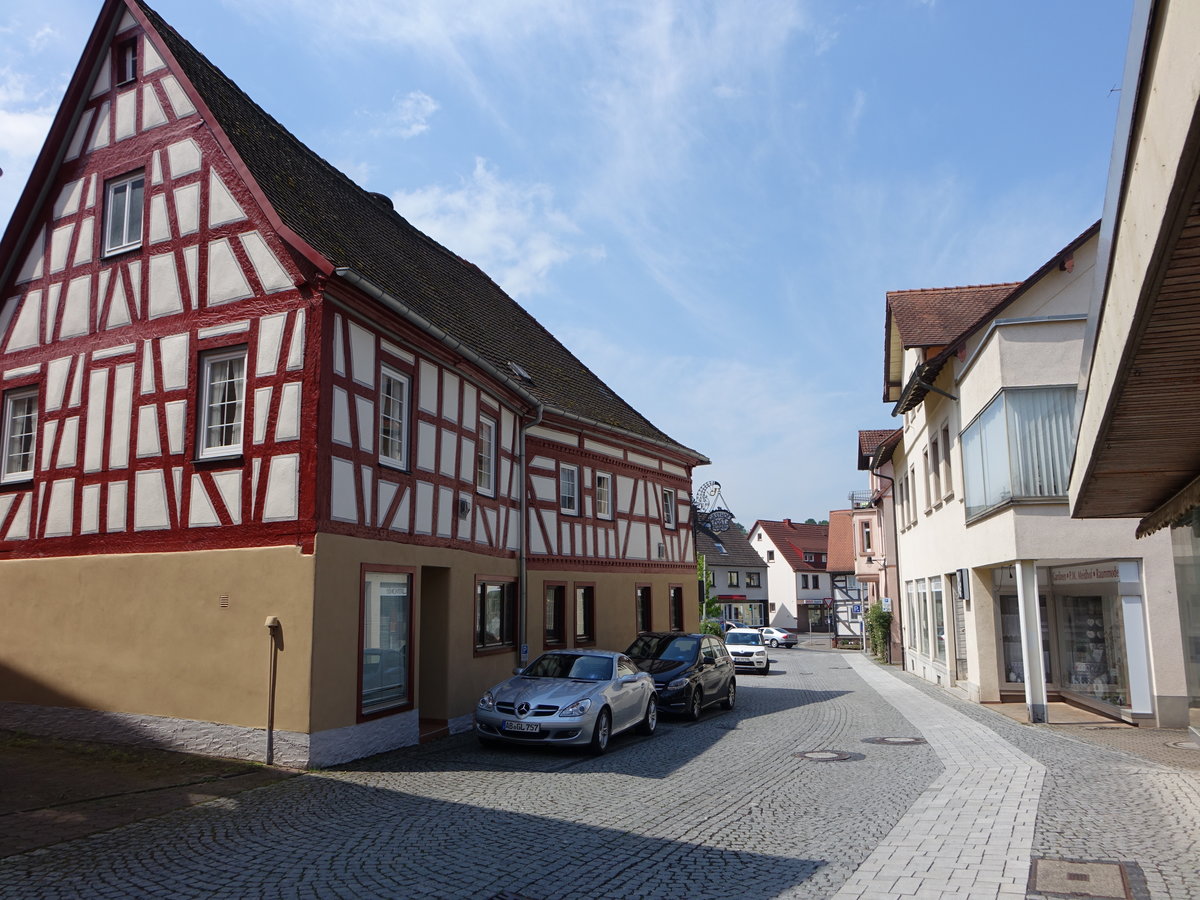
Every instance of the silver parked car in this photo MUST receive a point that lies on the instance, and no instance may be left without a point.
(570, 697)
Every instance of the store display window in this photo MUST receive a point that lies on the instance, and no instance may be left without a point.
(1091, 632)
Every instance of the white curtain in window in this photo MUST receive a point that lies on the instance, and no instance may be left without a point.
(1041, 440)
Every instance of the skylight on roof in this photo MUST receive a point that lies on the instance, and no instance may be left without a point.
(519, 371)
(720, 546)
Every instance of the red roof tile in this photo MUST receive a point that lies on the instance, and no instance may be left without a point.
(933, 317)
(794, 540)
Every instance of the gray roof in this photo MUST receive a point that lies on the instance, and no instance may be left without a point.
(738, 553)
(353, 230)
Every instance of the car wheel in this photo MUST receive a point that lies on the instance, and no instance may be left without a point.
(774, 643)
(650, 721)
(766, 669)
(695, 705)
(730, 695)
(602, 732)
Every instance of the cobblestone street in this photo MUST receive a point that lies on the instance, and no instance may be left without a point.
(720, 808)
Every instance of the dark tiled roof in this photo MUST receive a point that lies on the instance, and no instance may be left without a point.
(738, 551)
(841, 541)
(793, 540)
(345, 225)
(869, 442)
(933, 317)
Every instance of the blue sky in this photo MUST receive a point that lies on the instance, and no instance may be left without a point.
(705, 201)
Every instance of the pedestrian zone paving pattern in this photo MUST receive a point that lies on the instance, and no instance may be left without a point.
(748, 803)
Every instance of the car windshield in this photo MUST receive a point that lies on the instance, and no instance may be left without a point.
(659, 646)
(571, 665)
(735, 637)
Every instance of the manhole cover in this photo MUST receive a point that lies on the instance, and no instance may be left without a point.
(1079, 878)
(828, 755)
(1184, 745)
(895, 741)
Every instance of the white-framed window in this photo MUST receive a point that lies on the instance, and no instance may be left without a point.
(1019, 447)
(810, 557)
(668, 496)
(123, 204)
(925, 480)
(568, 490)
(485, 457)
(866, 536)
(935, 468)
(222, 402)
(912, 484)
(947, 472)
(126, 60)
(603, 495)
(732, 579)
(19, 434)
(393, 417)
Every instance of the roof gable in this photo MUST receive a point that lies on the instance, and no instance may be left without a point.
(794, 540)
(202, 240)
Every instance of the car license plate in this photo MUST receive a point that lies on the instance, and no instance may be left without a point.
(530, 727)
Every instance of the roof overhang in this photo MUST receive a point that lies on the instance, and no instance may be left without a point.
(1139, 436)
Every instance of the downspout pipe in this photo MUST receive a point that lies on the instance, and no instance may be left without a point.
(895, 553)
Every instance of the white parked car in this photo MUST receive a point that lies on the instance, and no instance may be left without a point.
(776, 636)
(746, 647)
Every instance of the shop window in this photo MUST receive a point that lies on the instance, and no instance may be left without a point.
(124, 200)
(386, 614)
(19, 434)
(495, 614)
(642, 608)
(676, 604)
(556, 610)
(222, 403)
(585, 614)
(939, 619)
(923, 615)
(910, 616)
(1019, 447)
(393, 418)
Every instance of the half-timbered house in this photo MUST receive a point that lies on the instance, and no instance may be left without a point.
(280, 474)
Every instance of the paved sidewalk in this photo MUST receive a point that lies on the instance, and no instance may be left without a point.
(970, 834)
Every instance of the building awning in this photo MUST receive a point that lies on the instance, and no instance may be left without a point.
(1178, 506)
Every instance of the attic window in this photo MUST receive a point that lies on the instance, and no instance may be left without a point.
(127, 61)
(519, 372)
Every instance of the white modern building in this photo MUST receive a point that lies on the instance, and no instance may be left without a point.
(1004, 595)
(796, 554)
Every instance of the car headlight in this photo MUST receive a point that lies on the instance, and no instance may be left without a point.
(677, 684)
(487, 702)
(760, 652)
(578, 708)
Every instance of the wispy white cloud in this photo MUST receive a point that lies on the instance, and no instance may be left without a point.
(857, 107)
(408, 116)
(513, 231)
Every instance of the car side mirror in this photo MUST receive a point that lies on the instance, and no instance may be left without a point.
(708, 661)
(518, 670)
(628, 679)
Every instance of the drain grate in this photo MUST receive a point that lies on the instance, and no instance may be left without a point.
(1183, 745)
(1082, 878)
(828, 756)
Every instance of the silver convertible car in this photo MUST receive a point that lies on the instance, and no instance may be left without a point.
(569, 697)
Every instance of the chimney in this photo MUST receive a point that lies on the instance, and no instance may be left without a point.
(787, 522)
